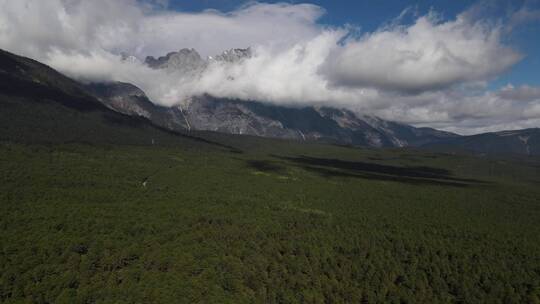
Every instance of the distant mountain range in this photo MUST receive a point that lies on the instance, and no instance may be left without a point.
(516, 142)
(257, 118)
(326, 124)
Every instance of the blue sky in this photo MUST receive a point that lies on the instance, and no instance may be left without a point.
(370, 15)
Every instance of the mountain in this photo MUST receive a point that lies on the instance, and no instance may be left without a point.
(40, 105)
(517, 142)
(185, 61)
(326, 124)
(384, 132)
(232, 55)
(256, 118)
(130, 100)
(232, 116)
(189, 62)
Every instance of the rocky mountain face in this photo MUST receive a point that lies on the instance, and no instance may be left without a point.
(326, 124)
(129, 99)
(189, 62)
(256, 118)
(232, 56)
(308, 123)
(40, 105)
(185, 61)
(30, 80)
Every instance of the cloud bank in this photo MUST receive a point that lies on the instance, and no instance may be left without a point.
(431, 72)
(426, 55)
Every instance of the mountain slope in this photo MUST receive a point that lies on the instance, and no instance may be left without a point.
(325, 124)
(40, 105)
(261, 119)
(255, 118)
(517, 142)
(233, 116)
(130, 100)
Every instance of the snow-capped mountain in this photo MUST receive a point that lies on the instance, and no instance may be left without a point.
(190, 62)
(254, 117)
(186, 61)
(261, 119)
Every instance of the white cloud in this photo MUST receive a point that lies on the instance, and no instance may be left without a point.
(522, 93)
(427, 55)
(33, 27)
(211, 32)
(459, 111)
(426, 73)
(523, 16)
(36, 28)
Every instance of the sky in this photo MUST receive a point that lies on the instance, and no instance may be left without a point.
(461, 66)
(369, 15)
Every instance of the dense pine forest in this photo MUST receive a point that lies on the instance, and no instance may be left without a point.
(244, 220)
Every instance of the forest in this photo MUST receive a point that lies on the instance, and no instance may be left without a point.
(234, 219)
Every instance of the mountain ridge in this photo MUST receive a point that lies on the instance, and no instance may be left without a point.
(39, 105)
(236, 116)
(28, 80)
(326, 124)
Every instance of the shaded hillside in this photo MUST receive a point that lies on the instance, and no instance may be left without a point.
(40, 105)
